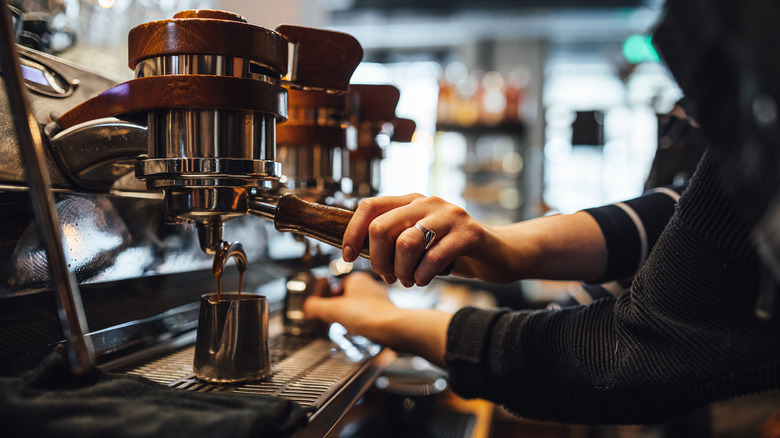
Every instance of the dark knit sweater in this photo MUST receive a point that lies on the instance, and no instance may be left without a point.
(684, 335)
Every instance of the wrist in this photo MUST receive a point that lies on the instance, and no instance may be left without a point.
(501, 254)
(383, 324)
(420, 332)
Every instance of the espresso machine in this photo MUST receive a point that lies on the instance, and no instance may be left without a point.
(150, 182)
(375, 121)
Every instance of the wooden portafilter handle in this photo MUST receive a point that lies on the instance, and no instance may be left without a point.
(318, 221)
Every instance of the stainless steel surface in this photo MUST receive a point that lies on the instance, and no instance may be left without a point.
(202, 160)
(208, 207)
(110, 237)
(365, 176)
(232, 339)
(45, 109)
(219, 134)
(299, 287)
(308, 374)
(311, 171)
(206, 171)
(262, 204)
(215, 65)
(74, 323)
(99, 152)
(312, 143)
(153, 333)
(209, 236)
(94, 235)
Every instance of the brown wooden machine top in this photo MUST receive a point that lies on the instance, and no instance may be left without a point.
(185, 91)
(323, 60)
(208, 33)
(373, 107)
(374, 103)
(317, 65)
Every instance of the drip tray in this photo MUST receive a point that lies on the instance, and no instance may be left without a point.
(326, 375)
(305, 370)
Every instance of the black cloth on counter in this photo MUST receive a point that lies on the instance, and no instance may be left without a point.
(684, 334)
(49, 401)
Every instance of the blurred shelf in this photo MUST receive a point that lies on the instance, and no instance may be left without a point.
(517, 128)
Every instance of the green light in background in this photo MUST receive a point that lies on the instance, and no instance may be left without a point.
(639, 48)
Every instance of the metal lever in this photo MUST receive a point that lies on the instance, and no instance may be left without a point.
(71, 311)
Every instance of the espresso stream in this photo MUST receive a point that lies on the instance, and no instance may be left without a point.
(235, 250)
(218, 275)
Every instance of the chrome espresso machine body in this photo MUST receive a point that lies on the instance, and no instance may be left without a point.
(148, 176)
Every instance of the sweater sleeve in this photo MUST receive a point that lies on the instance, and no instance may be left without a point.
(631, 229)
(685, 334)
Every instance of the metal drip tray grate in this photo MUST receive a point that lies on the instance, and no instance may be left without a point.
(307, 371)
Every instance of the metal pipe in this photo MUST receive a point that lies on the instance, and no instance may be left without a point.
(71, 310)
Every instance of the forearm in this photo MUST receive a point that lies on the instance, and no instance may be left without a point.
(420, 332)
(560, 247)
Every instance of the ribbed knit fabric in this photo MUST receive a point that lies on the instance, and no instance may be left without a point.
(684, 335)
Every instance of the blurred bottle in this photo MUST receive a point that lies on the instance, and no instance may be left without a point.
(516, 88)
(493, 100)
(449, 101)
(469, 94)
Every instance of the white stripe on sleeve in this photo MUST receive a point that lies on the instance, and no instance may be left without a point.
(640, 228)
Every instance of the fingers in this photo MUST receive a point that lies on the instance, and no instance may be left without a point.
(412, 247)
(409, 248)
(397, 248)
(393, 240)
(368, 210)
(436, 259)
(362, 296)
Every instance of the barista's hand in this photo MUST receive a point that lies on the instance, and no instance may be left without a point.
(364, 309)
(359, 307)
(559, 247)
(397, 248)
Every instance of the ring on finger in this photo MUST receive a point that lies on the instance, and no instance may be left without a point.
(429, 236)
